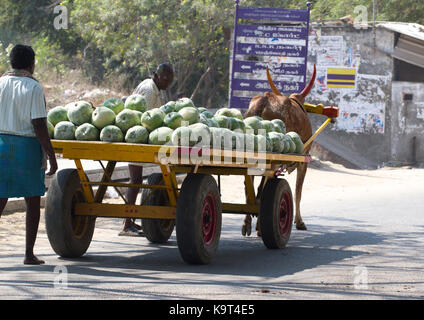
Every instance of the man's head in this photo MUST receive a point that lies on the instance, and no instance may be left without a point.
(22, 58)
(163, 76)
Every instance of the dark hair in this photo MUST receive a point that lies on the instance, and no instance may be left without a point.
(22, 57)
(164, 68)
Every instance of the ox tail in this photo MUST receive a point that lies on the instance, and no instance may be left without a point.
(311, 83)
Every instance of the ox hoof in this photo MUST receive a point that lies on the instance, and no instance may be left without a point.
(301, 226)
(246, 230)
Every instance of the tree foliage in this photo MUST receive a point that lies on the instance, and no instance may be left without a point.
(124, 40)
(385, 10)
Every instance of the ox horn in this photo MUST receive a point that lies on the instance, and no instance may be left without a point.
(271, 83)
(311, 83)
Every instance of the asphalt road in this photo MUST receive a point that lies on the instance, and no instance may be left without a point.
(365, 240)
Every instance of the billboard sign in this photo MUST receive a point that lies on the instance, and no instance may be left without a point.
(273, 37)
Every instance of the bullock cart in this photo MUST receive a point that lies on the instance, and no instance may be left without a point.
(194, 208)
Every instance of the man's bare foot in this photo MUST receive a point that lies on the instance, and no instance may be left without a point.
(137, 226)
(131, 232)
(33, 260)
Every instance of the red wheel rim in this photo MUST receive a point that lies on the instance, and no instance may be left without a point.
(285, 215)
(209, 219)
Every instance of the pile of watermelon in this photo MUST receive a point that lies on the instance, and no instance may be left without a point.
(175, 123)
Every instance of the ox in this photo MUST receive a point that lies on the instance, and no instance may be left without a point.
(291, 110)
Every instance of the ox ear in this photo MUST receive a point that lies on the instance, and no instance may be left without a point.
(271, 83)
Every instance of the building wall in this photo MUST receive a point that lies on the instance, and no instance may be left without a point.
(375, 125)
(407, 122)
(363, 126)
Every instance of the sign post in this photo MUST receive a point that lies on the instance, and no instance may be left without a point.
(273, 37)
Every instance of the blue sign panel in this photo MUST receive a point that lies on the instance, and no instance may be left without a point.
(279, 68)
(273, 14)
(277, 39)
(270, 50)
(272, 32)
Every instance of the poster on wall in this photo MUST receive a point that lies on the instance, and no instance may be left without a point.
(321, 82)
(420, 110)
(361, 98)
(341, 78)
(364, 112)
(328, 50)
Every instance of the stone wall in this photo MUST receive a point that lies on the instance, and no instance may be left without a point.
(364, 125)
(407, 122)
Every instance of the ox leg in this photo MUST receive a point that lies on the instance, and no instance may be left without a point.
(260, 188)
(258, 229)
(246, 229)
(300, 178)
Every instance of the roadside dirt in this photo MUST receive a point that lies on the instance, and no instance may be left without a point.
(74, 87)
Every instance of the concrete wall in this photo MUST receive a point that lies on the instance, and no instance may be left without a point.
(372, 130)
(407, 122)
(363, 129)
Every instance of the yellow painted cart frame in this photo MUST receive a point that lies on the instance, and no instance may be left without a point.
(124, 152)
(205, 161)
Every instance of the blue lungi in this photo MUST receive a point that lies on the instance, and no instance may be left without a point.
(21, 174)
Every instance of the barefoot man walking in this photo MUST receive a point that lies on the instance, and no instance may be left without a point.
(150, 89)
(23, 138)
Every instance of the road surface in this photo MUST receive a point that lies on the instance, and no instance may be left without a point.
(365, 240)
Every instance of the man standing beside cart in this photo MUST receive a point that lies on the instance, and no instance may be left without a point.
(23, 138)
(150, 89)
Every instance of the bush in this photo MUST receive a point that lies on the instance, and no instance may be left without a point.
(4, 58)
(49, 57)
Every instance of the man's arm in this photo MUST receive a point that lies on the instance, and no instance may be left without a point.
(146, 90)
(42, 134)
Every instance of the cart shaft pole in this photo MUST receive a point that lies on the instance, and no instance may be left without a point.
(320, 129)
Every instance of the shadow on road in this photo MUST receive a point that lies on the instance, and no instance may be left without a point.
(237, 260)
(236, 255)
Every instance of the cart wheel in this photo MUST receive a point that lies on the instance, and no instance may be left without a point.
(199, 218)
(156, 230)
(276, 213)
(69, 235)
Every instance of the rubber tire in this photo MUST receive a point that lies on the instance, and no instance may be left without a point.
(269, 215)
(156, 230)
(193, 248)
(59, 218)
